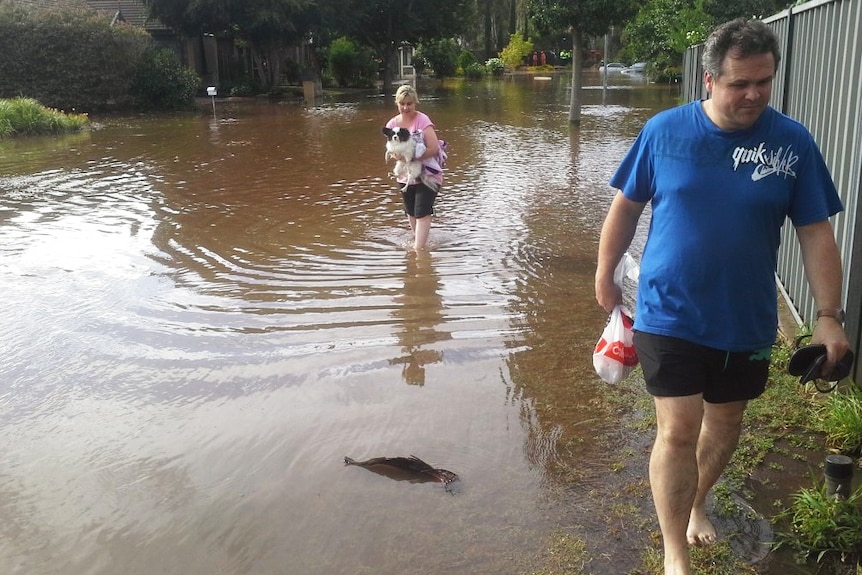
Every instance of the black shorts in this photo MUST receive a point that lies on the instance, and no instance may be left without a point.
(419, 200)
(674, 367)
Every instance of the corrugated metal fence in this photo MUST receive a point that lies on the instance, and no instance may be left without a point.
(819, 82)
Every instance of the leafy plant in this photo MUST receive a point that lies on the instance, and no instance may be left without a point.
(242, 90)
(495, 66)
(515, 51)
(840, 418)
(474, 70)
(441, 55)
(466, 59)
(820, 523)
(161, 82)
(351, 64)
(663, 30)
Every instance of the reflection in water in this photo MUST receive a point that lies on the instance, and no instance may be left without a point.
(419, 312)
(206, 315)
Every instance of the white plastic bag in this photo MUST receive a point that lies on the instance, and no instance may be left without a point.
(615, 356)
(627, 268)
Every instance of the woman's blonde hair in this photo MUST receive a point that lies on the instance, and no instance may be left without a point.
(406, 91)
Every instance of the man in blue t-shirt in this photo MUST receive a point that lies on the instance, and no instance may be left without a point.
(721, 176)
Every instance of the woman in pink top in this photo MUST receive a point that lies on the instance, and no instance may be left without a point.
(419, 194)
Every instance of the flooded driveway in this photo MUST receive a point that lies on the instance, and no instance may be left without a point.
(204, 315)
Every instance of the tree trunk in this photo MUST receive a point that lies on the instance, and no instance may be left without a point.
(577, 67)
(489, 46)
(387, 71)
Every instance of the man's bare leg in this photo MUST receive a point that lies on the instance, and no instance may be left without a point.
(673, 474)
(719, 436)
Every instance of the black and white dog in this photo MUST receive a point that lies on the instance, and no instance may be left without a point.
(401, 146)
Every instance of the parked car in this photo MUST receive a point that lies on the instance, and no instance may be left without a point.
(636, 68)
(613, 67)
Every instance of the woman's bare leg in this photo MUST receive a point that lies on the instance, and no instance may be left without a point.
(412, 221)
(421, 230)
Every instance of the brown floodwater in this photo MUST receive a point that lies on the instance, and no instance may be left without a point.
(205, 314)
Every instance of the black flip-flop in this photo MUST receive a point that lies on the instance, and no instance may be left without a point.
(807, 360)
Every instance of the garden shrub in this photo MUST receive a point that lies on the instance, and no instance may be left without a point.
(350, 64)
(515, 51)
(162, 82)
(495, 66)
(465, 60)
(475, 70)
(441, 55)
(68, 57)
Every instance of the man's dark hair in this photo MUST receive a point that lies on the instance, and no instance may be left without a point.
(740, 38)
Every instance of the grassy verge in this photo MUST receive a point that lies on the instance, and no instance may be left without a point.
(27, 117)
(786, 434)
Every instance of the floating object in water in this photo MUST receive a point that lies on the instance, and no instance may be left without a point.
(410, 469)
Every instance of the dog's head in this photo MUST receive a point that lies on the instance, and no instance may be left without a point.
(397, 135)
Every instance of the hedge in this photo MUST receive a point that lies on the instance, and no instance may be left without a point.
(68, 58)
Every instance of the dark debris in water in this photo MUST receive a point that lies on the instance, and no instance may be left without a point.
(410, 469)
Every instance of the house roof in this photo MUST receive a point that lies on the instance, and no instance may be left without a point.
(132, 12)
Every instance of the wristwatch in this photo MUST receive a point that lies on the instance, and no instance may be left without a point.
(838, 314)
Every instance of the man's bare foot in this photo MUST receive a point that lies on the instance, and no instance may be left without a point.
(700, 529)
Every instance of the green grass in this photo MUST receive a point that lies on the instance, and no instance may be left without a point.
(716, 559)
(820, 523)
(840, 420)
(27, 117)
(566, 555)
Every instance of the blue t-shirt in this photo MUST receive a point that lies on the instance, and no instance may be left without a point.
(719, 199)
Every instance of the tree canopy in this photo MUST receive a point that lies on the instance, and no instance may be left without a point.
(664, 29)
(657, 31)
(384, 25)
(269, 27)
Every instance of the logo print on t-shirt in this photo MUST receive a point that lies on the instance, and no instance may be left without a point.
(779, 162)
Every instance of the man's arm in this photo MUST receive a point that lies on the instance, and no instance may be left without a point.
(617, 233)
(822, 264)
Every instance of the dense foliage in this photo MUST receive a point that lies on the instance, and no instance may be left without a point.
(495, 66)
(72, 58)
(515, 51)
(384, 25)
(161, 82)
(350, 64)
(664, 29)
(268, 27)
(440, 55)
(69, 58)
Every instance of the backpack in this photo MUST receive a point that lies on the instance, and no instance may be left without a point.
(439, 159)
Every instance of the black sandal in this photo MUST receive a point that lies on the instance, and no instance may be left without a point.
(806, 361)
